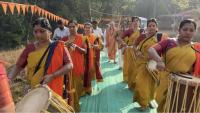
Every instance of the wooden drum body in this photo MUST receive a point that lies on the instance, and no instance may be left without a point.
(183, 94)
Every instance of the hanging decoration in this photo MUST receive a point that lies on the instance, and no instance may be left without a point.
(35, 10)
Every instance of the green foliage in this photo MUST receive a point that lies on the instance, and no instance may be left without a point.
(183, 4)
(16, 29)
(12, 30)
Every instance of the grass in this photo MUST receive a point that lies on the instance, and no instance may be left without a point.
(19, 86)
(10, 56)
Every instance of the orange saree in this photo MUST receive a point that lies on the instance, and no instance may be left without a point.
(56, 63)
(111, 43)
(31, 56)
(197, 62)
(6, 101)
(89, 61)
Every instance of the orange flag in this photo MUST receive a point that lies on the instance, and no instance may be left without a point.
(27, 8)
(18, 8)
(35, 10)
(42, 12)
(4, 6)
(48, 16)
(39, 11)
(11, 7)
(32, 9)
(51, 16)
(23, 9)
(54, 17)
(45, 13)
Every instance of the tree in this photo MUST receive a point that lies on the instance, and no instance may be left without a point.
(16, 29)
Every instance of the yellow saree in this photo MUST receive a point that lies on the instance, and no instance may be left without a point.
(129, 58)
(144, 83)
(178, 59)
(33, 60)
(55, 61)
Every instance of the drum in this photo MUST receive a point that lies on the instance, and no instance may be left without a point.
(183, 94)
(42, 99)
(152, 69)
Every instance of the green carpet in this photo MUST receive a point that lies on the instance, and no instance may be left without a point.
(112, 95)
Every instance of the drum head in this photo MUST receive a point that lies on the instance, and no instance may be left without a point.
(35, 101)
(185, 79)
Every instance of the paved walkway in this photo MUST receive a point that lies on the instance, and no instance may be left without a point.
(110, 96)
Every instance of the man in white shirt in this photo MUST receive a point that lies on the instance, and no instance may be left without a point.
(61, 31)
(96, 30)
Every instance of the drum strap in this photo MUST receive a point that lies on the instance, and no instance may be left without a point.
(50, 48)
(41, 59)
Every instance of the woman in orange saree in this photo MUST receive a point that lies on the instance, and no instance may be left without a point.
(77, 51)
(111, 42)
(98, 41)
(90, 73)
(90, 66)
(46, 61)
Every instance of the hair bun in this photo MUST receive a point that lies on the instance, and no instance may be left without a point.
(43, 22)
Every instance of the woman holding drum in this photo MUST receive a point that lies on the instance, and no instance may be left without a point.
(143, 82)
(180, 55)
(46, 61)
